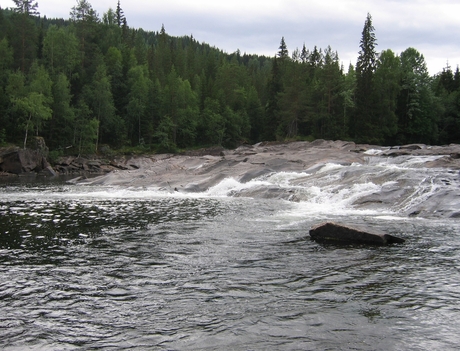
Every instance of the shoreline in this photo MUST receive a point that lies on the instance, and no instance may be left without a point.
(245, 162)
(192, 173)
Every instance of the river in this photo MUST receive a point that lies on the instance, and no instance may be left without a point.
(90, 267)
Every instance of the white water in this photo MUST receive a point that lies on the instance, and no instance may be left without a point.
(112, 268)
(394, 187)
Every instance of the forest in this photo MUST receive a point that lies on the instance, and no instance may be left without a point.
(91, 83)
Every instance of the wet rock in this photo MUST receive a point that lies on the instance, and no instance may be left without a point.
(385, 190)
(396, 152)
(248, 176)
(118, 166)
(413, 147)
(65, 161)
(340, 233)
(5, 174)
(81, 165)
(203, 185)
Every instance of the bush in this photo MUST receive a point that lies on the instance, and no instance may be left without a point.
(2, 136)
(54, 155)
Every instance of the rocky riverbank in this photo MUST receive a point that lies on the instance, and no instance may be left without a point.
(413, 180)
(199, 169)
(202, 169)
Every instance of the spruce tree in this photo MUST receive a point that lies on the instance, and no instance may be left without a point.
(283, 52)
(304, 54)
(363, 125)
(272, 109)
(27, 31)
(120, 15)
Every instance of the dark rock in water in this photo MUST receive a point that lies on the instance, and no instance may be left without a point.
(335, 232)
(412, 147)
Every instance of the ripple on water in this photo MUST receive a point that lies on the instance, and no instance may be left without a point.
(188, 273)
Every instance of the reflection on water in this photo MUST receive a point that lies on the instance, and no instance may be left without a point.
(111, 269)
(39, 223)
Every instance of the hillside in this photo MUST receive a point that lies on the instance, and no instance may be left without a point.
(92, 81)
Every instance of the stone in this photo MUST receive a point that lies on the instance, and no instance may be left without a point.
(413, 147)
(30, 161)
(48, 171)
(340, 233)
(65, 160)
(22, 161)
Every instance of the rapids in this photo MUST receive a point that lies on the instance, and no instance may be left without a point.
(217, 256)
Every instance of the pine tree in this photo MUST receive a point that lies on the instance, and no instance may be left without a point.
(26, 7)
(84, 12)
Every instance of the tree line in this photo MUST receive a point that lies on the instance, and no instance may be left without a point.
(92, 82)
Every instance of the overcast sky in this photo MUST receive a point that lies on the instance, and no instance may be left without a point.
(256, 27)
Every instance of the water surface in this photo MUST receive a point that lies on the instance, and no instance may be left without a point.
(109, 268)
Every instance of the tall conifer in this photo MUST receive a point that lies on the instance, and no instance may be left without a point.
(283, 51)
(363, 124)
(120, 15)
(25, 9)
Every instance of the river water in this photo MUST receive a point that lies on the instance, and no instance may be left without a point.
(112, 268)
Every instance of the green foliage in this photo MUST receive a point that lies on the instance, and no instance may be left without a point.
(32, 102)
(86, 130)
(363, 127)
(54, 155)
(139, 83)
(447, 89)
(417, 121)
(27, 7)
(89, 81)
(164, 135)
(99, 96)
(387, 83)
(61, 127)
(283, 52)
(212, 126)
(23, 34)
(2, 136)
(6, 57)
(60, 50)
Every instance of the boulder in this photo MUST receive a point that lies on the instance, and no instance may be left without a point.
(30, 161)
(18, 161)
(334, 232)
